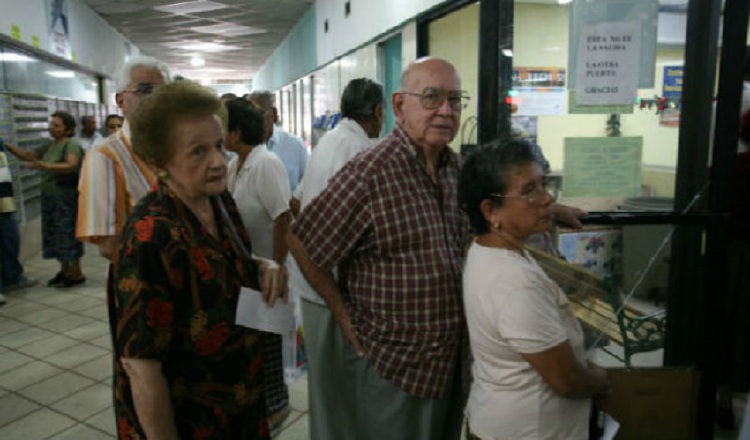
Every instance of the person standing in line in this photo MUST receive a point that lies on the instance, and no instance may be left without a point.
(11, 270)
(290, 149)
(58, 161)
(113, 178)
(258, 182)
(362, 116)
(112, 124)
(531, 378)
(89, 135)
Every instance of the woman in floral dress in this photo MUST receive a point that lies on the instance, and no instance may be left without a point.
(183, 369)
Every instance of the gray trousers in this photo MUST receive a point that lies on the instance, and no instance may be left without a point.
(384, 411)
(330, 390)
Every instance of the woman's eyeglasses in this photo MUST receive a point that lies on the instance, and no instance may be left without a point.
(536, 195)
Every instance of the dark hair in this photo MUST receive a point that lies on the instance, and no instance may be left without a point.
(158, 113)
(486, 171)
(360, 98)
(248, 118)
(86, 118)
(69, 122)
(112, 116)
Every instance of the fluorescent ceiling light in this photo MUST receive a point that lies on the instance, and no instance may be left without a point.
(564, 2)
(61, 73)
(197, 61)
(507, 52)
(191, 7)
(228, 30)
(200, 46)
(16, 58)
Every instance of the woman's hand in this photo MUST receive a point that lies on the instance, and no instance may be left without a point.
(274, 281)
(568, 215)
(33, 164)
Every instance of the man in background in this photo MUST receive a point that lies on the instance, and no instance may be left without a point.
(113, 178)
(290, 149)
(330, 401)
(89, 135)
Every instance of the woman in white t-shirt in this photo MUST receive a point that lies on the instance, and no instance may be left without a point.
(259, 184)
(531, 377)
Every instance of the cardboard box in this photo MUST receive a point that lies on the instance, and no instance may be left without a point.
(654, 403)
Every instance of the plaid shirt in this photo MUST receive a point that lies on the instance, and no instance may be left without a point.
(400, 236)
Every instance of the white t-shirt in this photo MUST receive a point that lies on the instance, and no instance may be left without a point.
(261, 191)
(512, 307)
(334, 150)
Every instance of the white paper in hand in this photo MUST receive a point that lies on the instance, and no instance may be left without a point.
(252, 312)
(611, 426)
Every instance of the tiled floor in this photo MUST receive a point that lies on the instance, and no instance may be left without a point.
(55, 363)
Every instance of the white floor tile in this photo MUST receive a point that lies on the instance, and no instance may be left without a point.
(76, 355)
(10, 360)
(298, 430)
(38, 425)
(97, 369)
(104, 341)
(17, 306)
(82, 432)
(43, 316)
(68, 322)
(23, 337)
(82, 302)
(8, 325)
(14, 407)
(55, 388)
(86, 332)
(85, 403)
(104, 421)
(44, 347)
(28, 374)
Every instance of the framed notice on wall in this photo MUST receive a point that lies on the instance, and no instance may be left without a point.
(602, 167)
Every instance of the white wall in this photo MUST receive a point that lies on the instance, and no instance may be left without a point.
(368, 19)
(94, 43)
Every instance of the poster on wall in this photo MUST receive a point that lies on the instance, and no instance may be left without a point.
(538, 91)
(672, 91)
(608, 58)
(602, 167)
(58, 28)
(645, 12)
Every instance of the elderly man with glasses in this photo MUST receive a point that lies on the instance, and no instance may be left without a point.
(113, 178)
(389, 221)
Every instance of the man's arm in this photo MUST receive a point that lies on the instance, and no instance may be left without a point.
(151, 398)
(280, 229)
(324, 283)
(568, 215)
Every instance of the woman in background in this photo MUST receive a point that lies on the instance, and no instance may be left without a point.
(531, 378)
(58, 161)
(183, 369)
(259, 184)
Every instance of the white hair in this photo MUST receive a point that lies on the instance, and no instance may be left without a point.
(123, 77)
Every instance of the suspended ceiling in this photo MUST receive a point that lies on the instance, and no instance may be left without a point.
(234, 37)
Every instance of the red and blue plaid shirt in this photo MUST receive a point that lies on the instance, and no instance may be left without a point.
(400, 236)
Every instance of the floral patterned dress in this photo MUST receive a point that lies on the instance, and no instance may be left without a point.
(173, 299)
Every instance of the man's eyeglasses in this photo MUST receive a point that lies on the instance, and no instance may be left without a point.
(536, 195)
(432, 98)
(143, 89)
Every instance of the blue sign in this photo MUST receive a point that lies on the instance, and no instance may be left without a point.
(672, 84)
